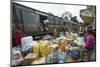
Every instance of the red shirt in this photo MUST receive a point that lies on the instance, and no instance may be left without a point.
(19, 35)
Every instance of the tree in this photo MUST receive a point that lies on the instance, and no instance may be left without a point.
(74, 19)
(67, 16)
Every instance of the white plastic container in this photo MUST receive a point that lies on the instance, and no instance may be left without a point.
(27, 42)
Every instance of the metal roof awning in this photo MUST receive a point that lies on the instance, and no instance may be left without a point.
(38, 12)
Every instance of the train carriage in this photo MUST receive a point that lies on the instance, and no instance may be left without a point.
(30, 20)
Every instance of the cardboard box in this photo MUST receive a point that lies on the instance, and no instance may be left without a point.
(30, 57)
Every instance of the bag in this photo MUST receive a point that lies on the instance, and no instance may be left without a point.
(62, 56)
(75, 54)
(51, 59)
(42, 60)
(36, 62)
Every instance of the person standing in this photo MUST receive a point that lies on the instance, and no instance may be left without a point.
(89, 43)
(94, 32)
(18, 35)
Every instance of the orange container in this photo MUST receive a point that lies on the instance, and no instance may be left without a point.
(62, 45)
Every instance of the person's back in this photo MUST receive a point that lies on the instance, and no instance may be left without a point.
(89, 41)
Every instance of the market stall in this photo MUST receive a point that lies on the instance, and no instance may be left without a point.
(66, 48)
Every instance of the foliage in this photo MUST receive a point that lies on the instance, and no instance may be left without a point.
(74, 19)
